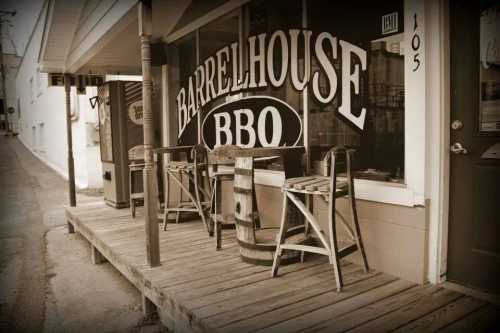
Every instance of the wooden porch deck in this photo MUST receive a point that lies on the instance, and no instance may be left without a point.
(198, 289)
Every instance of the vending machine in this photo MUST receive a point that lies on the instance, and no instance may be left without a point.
(120, 128)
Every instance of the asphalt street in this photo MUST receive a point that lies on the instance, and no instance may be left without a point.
(47, 282)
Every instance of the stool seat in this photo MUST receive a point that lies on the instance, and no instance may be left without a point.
(314, 185)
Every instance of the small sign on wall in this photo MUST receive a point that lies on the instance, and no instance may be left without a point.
(135, 113)
(390, 23)
(57, 80)
(256, 121)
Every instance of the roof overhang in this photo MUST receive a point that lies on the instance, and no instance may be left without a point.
(94, 36)
(101, 37)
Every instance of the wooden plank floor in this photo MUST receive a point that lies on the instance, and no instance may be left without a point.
(198, 289)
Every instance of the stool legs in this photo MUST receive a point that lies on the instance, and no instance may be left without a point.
(334, 258)
(130, 188)
(132, 207)
(217, 226)
(356, 231)
(281, 236)
(330, 246)
(178, 213)
(194, 200)
(201, 212)
(306, 223)
(166, 198)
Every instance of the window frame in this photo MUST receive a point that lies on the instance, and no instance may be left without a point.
(411, 193)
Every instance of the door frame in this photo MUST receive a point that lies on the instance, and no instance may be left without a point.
(438, 115)
(438, 112)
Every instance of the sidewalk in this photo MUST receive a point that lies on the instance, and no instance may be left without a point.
(47, 282)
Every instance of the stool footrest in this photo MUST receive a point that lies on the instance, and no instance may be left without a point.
(306, 248)
(347, 250)
(181, 209)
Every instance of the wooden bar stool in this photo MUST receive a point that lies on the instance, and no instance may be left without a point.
(329, 189)
(136, 190)
(194, 169)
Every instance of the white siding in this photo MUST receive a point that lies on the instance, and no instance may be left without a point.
(43, 121)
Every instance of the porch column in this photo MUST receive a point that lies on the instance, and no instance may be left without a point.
(69, 137)
(151, 218)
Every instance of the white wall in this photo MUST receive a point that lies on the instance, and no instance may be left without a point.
(11, 64)
(42, 126)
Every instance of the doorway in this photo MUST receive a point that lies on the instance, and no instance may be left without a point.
(474, 210)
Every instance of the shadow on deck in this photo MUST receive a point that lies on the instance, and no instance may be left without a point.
(199, 289)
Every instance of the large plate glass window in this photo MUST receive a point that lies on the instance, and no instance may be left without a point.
(268, 17)
(215, 39)
(182, 63)
(376, 28)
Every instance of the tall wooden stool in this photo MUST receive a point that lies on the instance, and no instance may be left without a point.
(329, 189)
(136, 190)
(194, 170)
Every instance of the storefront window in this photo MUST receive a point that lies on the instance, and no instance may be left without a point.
(182, 63)
(345, 58)
(268, 17)
(378, 30)
(213, 38)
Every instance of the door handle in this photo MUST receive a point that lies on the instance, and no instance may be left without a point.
(458, 149)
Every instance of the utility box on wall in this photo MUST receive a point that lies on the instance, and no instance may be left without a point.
(120, 128)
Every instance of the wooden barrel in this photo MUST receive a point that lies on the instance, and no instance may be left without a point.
(257, 245)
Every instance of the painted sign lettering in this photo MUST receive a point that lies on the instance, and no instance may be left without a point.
(211, 79)
(57, 79)
(256, 121)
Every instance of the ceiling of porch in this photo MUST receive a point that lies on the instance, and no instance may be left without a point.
(101, 37)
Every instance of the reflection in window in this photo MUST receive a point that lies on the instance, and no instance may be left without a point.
(375, 28)
(380, 146)
(182, 61)
(267, 17)
(213, 37)
(489, 115)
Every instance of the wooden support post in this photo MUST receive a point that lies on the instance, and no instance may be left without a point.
(96, 256)
(150, 202)
(69, 137)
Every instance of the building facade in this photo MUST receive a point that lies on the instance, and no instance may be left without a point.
(40, 116)
(388, 78)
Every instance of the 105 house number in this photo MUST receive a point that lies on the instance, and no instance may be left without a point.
(415, 44)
